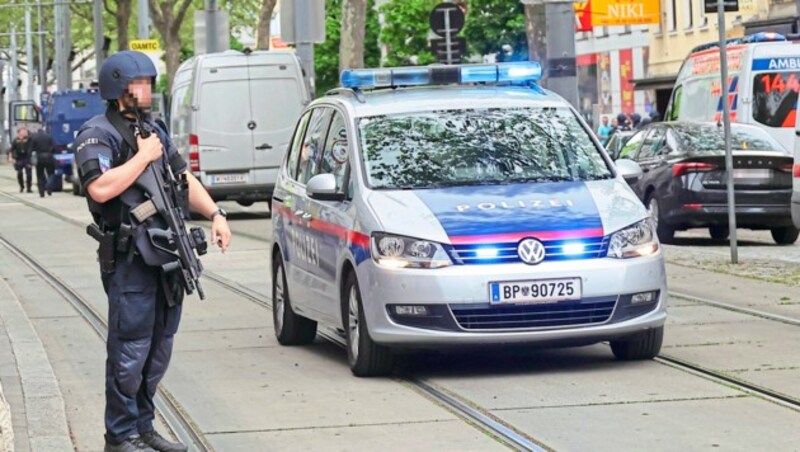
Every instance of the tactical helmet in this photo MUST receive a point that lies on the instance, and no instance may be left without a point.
(120, 69)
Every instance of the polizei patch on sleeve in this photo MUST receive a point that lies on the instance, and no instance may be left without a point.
(87, 142)
(105, 163)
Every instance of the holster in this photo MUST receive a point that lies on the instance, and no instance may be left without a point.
(106, 250)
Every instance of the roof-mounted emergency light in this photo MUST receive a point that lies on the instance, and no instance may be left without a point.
(764, 36)
(521, 72)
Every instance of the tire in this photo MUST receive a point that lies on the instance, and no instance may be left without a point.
(643, 345)
(290, 328)
(785, 236)
(665, 233)
(366, 358)
(719, 232)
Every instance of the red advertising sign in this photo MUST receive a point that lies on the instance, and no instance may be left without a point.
(583, 16)
(625, 76)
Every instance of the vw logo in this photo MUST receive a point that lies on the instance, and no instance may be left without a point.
(531, 251)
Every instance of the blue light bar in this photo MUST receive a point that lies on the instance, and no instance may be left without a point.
(764, 36)
(521, 72)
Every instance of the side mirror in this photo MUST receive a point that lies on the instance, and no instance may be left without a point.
(629, 170)
(322, 187)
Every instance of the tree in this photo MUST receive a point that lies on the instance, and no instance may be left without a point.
(264, 19)
(326, 55)
(492, 24)
(122, 15)
(168, 16)
(405, 32)
(351, 46)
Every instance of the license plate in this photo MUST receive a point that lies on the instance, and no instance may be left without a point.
(220, 179)
(751, 173)
(535, 291)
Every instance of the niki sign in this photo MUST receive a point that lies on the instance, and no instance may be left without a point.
(625, 12)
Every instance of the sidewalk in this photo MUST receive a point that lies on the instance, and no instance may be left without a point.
(6, 431)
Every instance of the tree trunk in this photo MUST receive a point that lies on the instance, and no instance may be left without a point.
(123, 17)
(168, 15)
(172, 57)
(263, 31)
(351, 47)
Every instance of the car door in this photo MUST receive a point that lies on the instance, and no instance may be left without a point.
(647, 157)
(304, 240)
(331, 221)
(284, 199)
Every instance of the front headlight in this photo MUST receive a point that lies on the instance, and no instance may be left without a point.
(406, 252)
(638, 239)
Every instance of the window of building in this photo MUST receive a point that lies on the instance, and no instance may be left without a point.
(703, 17)
(672, 15)
(688, 17)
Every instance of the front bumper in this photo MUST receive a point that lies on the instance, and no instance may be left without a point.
(460, 287)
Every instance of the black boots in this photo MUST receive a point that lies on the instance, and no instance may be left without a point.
(157, 442)
(132, 444)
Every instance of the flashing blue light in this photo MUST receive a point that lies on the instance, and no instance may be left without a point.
(486, 253)
(764, 36)
(572, 249)
(520, 72)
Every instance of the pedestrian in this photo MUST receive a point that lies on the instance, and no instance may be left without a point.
(622, 122)
(42, 147)
(20, 156)
(604, 131)
(144, 302)
(636, 120)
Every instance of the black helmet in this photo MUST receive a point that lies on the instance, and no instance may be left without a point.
(120, 69)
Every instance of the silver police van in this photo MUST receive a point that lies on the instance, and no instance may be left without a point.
(449, 206)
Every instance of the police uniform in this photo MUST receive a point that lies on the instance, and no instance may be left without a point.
(21, 151)
(144, 303)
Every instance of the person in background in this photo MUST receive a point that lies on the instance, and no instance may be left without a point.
(636, 120)
(20, 156)
(604, 131)
(42, 145)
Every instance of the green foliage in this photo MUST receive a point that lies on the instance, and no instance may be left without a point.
(491, 24)
(405, 32)
(326, 55)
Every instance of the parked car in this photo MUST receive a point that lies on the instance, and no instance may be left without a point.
(231, 117)
(684, 179)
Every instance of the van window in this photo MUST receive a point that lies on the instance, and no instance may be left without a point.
(297, 140)
(775, 98)
(675, 111)
(313, 144)
(699, 100)
(222, 100)
(336, 153)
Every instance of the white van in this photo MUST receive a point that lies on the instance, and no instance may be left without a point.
(763, 81)
(231, 117)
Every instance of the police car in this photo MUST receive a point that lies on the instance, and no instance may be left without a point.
(450, 206)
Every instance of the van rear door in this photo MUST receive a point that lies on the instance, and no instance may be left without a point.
(225, 143)
(277, 99)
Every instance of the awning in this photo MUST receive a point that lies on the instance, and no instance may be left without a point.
(657, 82)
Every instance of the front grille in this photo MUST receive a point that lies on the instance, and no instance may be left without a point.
(507, 252)
(531, 316)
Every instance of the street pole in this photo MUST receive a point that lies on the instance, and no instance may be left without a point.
(29, 53)
(726, 121)
(12, 83)
(303, 47)
(211, 26)
(42, 68)
(144, 19)
(63, 46)
(97, 16)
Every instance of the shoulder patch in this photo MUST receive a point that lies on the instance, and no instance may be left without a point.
(87, 142)
(105, 163)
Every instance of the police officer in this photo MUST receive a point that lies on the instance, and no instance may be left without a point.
(20, 156)
(42, 145)
(144, 302)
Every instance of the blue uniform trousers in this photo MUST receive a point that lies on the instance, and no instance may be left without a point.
(141, 327)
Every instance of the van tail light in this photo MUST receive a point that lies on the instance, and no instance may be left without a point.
(679, 169)
(796, 171)
(194, 153)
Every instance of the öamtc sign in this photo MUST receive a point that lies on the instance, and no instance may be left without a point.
(625, 12)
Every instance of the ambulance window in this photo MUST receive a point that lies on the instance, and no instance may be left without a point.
(336, 152)
(296, 141)
(675, 111)
(702, 98)
(775, 98)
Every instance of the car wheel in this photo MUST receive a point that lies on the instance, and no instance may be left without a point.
(366, 358)
(290, 328)
(643, 345)
(665, 233)
(719, 232)
(785, 236)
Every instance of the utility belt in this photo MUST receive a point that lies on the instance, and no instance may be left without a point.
(113, 243)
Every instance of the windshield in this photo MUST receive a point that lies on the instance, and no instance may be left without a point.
(710, 137)
(473, 147)
(699, 100)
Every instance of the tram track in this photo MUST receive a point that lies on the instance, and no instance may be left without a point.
(175, 417)
(480, 417)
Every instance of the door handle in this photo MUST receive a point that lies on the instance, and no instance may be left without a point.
(264, 147)
(306, 216)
